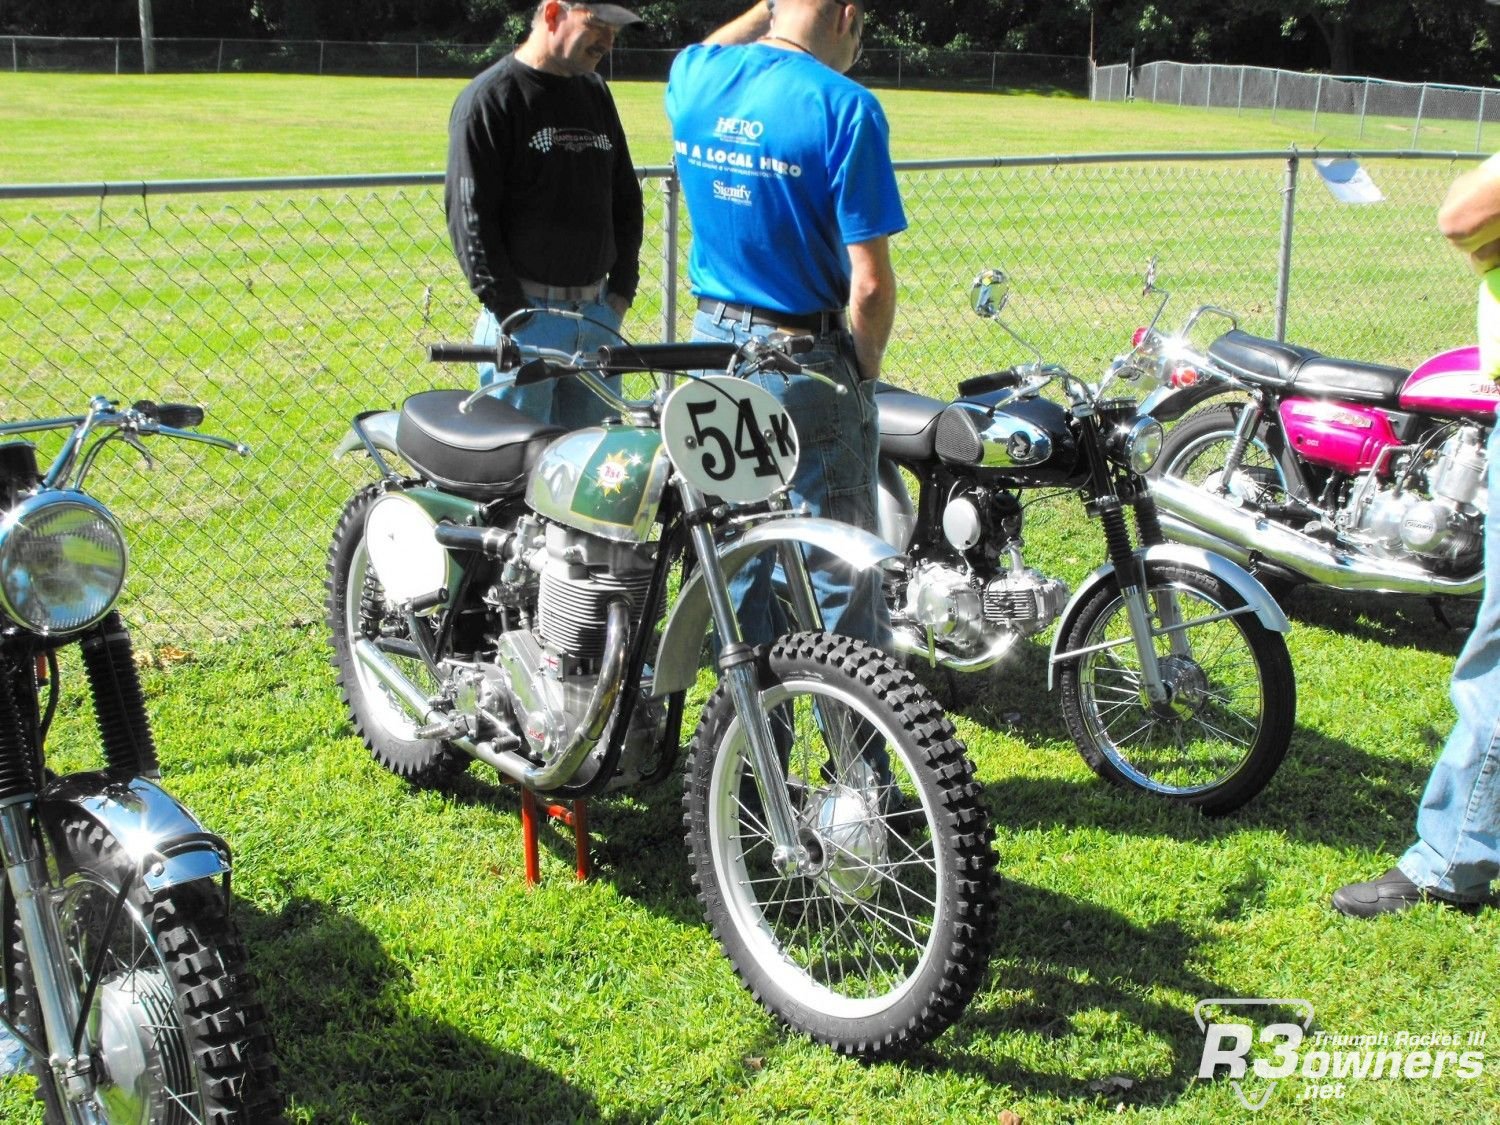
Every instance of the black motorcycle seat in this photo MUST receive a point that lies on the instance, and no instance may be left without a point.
(908, 422)
(483, 454)
(1289, 367)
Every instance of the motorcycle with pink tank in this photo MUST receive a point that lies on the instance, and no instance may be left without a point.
(1312, 469)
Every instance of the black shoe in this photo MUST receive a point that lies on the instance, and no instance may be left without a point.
(1390, 894)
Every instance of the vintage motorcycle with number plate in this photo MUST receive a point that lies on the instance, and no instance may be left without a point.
(1333, 472)
(509, 601)
(1174, 674)
(125, 978)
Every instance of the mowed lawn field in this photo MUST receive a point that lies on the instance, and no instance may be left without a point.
(410, 974)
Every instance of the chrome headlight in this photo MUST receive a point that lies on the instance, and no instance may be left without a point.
(1142, 444)
(62, 562)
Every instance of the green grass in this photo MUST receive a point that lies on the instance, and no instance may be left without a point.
(409, 973)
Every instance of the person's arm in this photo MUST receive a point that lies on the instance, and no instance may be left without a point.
(746, 27)
(629, 224)
(474, 194)
(1470, 215)
(872, 302)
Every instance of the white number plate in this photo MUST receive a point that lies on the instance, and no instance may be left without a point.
(730, 438)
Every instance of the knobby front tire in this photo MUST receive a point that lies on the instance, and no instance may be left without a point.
(179, 1036)
(879, 948)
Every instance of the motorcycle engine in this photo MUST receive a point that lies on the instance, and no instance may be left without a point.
(1447, 523)
(552, 668)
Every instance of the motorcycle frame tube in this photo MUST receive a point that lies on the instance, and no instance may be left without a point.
(738, 670)
(375, 433)
(1257, 599)
(689, 619)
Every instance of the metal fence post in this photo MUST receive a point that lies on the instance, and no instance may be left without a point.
(15, 57)
(1479, 130)
(117, 56)
(994, 58)
(670, 211)
(1317, 103)
(416, 60)
(1240, 104)
(1416, 129)
(321, 45)
(1275, 94)
(1284, 268)
(1363, 104)
(221, 56)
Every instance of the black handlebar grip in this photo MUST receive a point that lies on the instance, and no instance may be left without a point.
(983, 384)
(690, 356)
(462, 353)
(177, 415)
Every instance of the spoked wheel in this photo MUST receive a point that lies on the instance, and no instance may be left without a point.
(1223, 729)
(1197, 449)
(178, 1036)
(878, 943)
(358, 610)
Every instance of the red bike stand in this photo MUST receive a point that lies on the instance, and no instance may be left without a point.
(575, 818)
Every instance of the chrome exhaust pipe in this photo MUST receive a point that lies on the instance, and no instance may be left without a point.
(1197, 517)
(911, 641)
(564, 762)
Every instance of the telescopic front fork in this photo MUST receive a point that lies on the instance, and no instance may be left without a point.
(737, 668)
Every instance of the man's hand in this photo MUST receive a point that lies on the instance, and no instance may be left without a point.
(618, 303)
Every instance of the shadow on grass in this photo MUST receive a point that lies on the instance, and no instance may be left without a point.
(1326, 790)
(1056, 961)
(1439, 625)
(350, 1049)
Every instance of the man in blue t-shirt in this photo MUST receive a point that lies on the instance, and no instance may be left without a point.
(786, 169)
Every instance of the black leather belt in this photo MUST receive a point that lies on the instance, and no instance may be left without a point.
(819, 323)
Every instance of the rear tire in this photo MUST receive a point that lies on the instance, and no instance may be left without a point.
(878, 949)
(357, 609)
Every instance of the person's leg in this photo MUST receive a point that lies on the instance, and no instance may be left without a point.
(1457, 852)
(573, 404)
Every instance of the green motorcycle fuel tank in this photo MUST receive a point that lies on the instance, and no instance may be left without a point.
(604, 480)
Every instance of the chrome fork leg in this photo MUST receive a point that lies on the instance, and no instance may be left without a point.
(41, 938)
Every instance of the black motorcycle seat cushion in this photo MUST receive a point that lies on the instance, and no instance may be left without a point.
(1371, 383)
(484, 453)
(1262, 360)
(908, 422)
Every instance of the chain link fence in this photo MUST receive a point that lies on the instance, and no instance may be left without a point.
(286, 307)
(920, 67)
(1446, 116)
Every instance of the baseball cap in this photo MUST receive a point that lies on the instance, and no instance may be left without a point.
(616, 16)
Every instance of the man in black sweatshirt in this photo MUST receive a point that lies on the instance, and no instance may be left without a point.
(544, 209)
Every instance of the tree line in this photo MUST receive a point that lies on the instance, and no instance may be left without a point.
(1409, 40)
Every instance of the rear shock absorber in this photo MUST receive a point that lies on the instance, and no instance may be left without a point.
(119, 704)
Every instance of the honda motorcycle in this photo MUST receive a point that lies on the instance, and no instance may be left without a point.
(125, 979)
(1174, 674)
(1312, 469)
(510, 599)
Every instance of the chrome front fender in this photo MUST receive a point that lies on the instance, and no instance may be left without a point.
(160, 836)
(688, 622)
(1237, 577)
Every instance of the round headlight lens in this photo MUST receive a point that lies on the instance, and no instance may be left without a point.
(1143, 445)
(62, 562)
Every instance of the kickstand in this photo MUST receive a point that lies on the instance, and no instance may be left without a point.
(575, 817)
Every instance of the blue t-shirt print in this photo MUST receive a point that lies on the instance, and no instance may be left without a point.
(783, 162)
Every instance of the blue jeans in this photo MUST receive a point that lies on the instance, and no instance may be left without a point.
(1457, 852)
(839, 440)
(565, 402)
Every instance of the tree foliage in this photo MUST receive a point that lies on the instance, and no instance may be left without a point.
(1431, 40)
